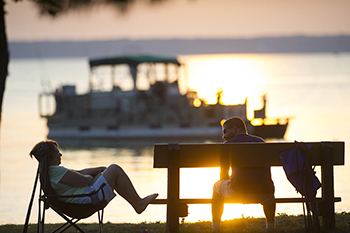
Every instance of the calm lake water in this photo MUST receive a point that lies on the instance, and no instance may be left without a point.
(313, 89)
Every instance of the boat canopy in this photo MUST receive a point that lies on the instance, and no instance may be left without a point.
(132, 60)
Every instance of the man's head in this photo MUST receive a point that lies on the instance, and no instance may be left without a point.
(232, 127)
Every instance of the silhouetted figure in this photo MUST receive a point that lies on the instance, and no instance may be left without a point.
(71, 182)
(244, 183)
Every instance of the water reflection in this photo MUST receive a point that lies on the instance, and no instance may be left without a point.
(135, 144)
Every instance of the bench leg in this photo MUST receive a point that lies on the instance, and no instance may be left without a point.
(172, 222)
(328, 215)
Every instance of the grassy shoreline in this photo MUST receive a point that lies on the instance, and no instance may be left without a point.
(284, 223)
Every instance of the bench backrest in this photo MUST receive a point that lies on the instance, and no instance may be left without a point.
(241, 154)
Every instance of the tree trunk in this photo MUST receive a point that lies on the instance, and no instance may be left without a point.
(4, 54)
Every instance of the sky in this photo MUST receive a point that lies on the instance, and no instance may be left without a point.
(183, 19)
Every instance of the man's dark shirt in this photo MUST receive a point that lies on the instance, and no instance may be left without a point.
(251, 180)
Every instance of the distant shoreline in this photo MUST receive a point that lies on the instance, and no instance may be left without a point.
(175, 47)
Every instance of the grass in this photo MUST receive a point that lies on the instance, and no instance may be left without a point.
(284, 223)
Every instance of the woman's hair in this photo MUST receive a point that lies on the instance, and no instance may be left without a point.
(44, 150)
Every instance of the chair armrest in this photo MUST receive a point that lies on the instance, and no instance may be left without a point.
(77, 195)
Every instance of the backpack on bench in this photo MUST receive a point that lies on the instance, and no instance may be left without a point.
(301, 175)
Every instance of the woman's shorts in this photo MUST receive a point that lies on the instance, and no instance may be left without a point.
(223, 189)
(108, 191)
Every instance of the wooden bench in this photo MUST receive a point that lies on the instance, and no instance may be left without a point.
(200, 155)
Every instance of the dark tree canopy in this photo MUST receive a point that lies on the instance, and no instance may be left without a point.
(57, 7)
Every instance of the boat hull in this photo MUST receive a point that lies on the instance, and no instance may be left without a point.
(270, 131)
(139, 133)
(164, 134)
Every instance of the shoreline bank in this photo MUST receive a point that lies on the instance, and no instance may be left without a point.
(284, 223)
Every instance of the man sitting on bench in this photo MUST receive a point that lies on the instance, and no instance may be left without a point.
(245, 183)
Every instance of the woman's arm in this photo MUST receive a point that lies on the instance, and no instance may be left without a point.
(92, 171)
(73, 178)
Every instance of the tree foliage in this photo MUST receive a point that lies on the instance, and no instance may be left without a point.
(58, 7)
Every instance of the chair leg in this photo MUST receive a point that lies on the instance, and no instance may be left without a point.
(41, 219)
(100, 220)
(59, 228)
(67, 225)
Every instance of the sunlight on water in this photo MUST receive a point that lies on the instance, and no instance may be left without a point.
(198, 184)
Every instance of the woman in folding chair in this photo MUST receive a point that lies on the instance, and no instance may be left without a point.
(72, 182)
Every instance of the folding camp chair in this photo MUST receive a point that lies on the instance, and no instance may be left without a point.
(302, 176)
(70, 212)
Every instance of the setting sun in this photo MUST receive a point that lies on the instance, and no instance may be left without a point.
(238, 76)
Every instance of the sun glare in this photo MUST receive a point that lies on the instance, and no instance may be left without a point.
(238, 76)
(199, 183)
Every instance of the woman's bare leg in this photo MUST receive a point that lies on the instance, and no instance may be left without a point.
(120, 182)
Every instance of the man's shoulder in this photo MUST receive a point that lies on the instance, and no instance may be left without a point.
(245, 138)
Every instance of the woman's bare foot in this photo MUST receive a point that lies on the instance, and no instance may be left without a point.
(145, 202)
